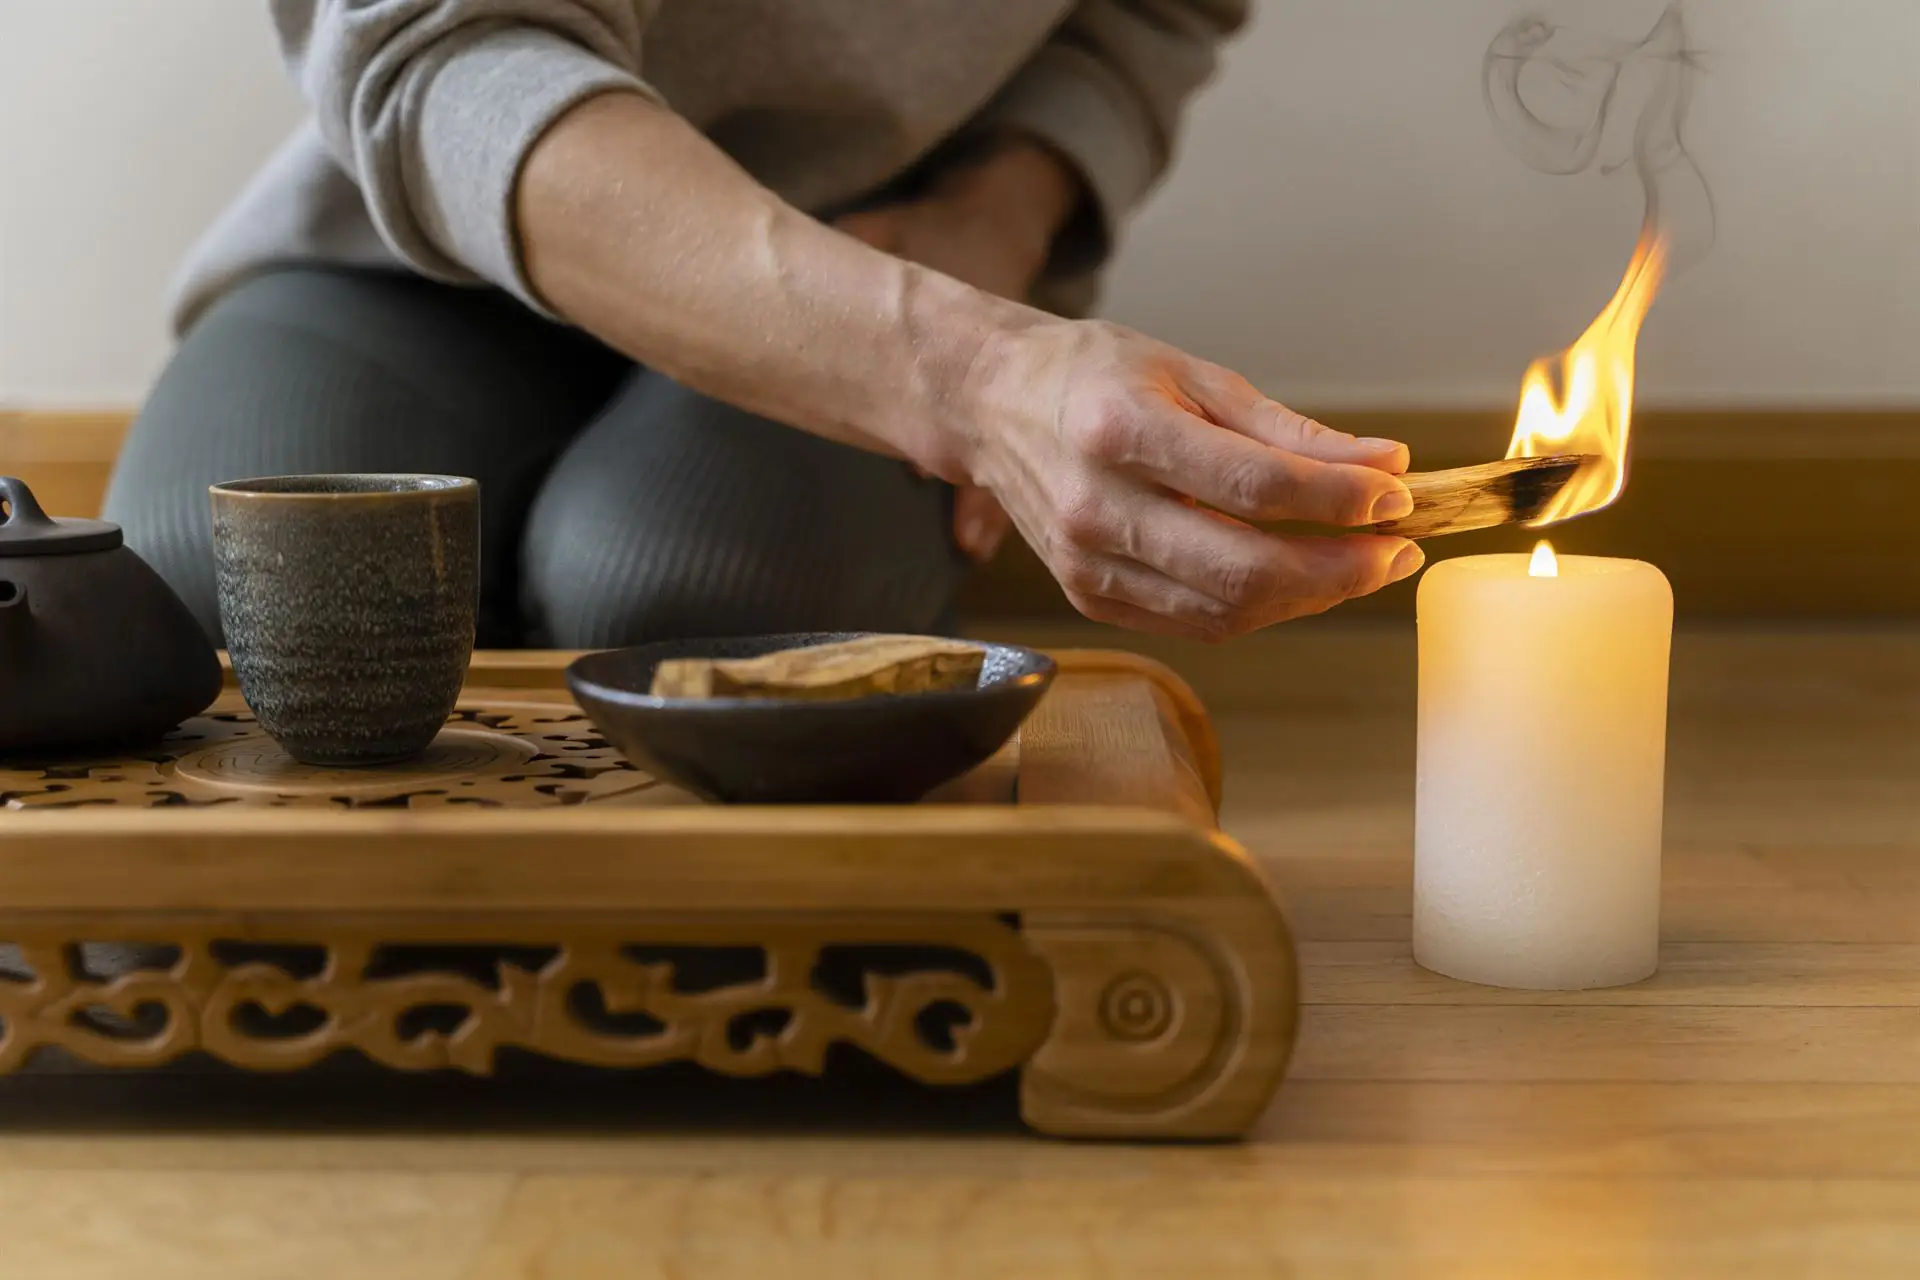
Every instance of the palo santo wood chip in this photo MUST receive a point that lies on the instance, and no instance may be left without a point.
(1512, 491)
(845, 669)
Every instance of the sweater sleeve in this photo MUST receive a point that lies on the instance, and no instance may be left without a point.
(432, 106)
(1107, 92)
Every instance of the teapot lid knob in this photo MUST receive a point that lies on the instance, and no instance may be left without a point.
(26, 530)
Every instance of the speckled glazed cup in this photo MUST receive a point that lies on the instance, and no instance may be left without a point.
(348, 603)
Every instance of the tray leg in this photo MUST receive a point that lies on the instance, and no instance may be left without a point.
(1165, 1026)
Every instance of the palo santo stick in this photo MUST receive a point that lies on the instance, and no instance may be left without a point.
(845, 669)
(1512, 491)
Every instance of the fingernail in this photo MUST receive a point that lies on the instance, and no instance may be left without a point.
(1396, 504)
(1377, 445)
(1407, 563)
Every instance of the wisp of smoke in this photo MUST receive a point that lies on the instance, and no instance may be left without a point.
(1554, 96)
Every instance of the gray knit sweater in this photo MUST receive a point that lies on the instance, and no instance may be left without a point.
(423, 111)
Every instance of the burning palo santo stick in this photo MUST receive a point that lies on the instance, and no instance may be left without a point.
(1512, 491)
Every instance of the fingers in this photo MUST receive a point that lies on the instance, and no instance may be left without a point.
(1275, 424)
(1208, 577)
(1234, 403)
(1103, 587)
(1356, 566)
(1241, 475)
(1190, 616)
(1119, 613)
(1247, 569)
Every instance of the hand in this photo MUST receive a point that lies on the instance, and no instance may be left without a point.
(989, 224)
(1132, 469)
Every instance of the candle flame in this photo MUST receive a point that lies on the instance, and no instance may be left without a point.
(1581, 401)
(1544, 563)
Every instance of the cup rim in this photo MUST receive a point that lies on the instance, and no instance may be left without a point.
(423, 486)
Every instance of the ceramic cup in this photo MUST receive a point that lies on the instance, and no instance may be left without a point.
(348, 603)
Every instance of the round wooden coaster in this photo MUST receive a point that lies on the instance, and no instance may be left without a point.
(255, 762)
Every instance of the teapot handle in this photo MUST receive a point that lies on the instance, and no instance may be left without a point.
(27, 530)
(23, 509)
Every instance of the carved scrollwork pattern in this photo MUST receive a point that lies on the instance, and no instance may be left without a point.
(494, 754)
(944, 999)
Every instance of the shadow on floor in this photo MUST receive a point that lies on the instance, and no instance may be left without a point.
(527, 1095)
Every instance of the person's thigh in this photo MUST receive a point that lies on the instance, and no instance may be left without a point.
(676, 516)
(325, 370)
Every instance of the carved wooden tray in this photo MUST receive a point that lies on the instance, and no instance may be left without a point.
(1069, 911)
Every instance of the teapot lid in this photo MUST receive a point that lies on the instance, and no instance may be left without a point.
(26, 530)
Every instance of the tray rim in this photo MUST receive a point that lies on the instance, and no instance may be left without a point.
(507, 669)
(543, 671)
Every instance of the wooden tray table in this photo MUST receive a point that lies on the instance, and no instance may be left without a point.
(1069, 911)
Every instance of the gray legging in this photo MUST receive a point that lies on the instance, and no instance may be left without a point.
(617, 506)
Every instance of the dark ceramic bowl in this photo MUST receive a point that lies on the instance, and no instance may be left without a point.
(883, 749)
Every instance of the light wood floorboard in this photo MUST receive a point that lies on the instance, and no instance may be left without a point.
(1753, 1111)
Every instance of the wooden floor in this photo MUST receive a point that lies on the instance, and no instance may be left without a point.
(1753, 1111)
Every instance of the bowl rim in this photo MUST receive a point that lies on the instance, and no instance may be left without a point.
(1041, 676)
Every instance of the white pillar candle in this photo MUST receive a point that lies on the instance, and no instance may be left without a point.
(1542, 759)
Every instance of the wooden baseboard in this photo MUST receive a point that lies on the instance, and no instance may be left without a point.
(1794, 513)
(65, 456)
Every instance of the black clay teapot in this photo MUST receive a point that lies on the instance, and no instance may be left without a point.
(96, 650)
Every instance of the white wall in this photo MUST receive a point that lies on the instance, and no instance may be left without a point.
(124, 126)
(1344, 227)
(1347, 228)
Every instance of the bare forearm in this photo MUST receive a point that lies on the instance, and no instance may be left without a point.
(638, 229)
(1099, 442)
